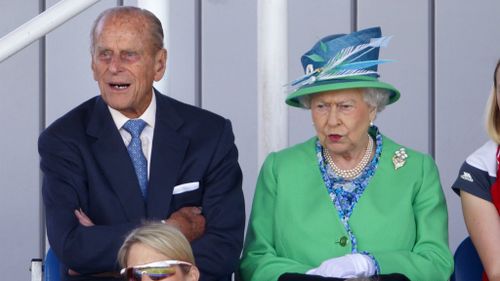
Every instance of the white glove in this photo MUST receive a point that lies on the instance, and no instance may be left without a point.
(348, 266)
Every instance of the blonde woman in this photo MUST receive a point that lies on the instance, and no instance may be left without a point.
(479, 189)
(157, 251)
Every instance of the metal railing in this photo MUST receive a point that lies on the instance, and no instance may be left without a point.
(40, 25)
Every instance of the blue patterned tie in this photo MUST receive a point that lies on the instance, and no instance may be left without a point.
(135, 127)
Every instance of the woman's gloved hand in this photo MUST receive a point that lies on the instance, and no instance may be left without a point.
(348, 266)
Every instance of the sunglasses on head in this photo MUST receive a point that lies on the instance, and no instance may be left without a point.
(155, 270)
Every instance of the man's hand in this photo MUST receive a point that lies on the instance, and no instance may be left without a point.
(83, 218)
(189, 221)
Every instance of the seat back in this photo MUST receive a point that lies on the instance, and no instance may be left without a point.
(468, 266)
(51, 267)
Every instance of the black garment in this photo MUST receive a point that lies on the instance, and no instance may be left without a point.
(305, 277)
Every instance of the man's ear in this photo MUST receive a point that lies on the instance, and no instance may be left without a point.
(160, 64)
(92, 66)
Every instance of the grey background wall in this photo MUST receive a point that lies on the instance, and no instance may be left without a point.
(445, 52)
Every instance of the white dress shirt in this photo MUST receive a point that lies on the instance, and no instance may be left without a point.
(146, 135)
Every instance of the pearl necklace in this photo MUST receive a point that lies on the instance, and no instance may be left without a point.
(354, 172)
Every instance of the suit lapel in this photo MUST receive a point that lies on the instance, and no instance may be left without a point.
(169, 148)
(113, 159)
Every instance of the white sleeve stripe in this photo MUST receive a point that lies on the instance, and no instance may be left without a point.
(484, 158)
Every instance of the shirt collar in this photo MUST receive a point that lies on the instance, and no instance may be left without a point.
(148, 116)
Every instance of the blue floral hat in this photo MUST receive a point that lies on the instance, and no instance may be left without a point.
(342, 61)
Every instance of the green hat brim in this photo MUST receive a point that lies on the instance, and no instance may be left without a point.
(341, 84)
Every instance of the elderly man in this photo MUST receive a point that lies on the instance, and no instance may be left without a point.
(133, 154)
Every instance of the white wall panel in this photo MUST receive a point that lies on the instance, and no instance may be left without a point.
(229, 76)
(69, 77)
(308, 22)
(130, 2)
(19, 177)
(180, 31)
(466, 54)
(181, 63)
(408, 22)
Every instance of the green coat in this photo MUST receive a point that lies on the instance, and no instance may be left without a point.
(401, 218)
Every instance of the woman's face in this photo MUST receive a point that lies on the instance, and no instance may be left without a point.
(341, 119)
(140, 254)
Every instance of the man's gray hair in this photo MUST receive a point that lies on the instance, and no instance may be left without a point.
(153, 24)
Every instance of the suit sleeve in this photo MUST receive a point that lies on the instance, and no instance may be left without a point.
(260, 260)
(84, 249)
(217, 252)
(430, 258)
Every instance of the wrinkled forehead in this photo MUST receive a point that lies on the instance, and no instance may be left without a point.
(130, 23)
(125, 32)
(343, 94)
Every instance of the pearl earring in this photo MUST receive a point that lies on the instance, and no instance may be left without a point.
(371, 123)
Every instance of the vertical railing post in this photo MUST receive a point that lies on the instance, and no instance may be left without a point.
(272, 75)
(161, 9)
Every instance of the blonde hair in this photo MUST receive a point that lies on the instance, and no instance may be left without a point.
(163, 238)
(492, 111)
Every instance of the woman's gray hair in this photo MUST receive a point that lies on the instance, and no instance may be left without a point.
(163, 238)
(374, 97)
(305, 101)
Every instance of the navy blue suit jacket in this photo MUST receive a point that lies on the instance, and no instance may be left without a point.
(86, 165)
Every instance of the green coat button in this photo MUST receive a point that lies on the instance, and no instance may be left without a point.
(342, 241)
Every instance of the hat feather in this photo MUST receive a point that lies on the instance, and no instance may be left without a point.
(360, 64)
(344, 64)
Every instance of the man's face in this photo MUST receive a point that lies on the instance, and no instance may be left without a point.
(125, 64)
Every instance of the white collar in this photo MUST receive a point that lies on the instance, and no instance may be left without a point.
(148, 116)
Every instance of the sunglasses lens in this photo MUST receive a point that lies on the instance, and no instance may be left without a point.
(158, 273)
(154, 273)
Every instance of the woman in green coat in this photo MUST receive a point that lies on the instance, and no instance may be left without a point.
(348, 202)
